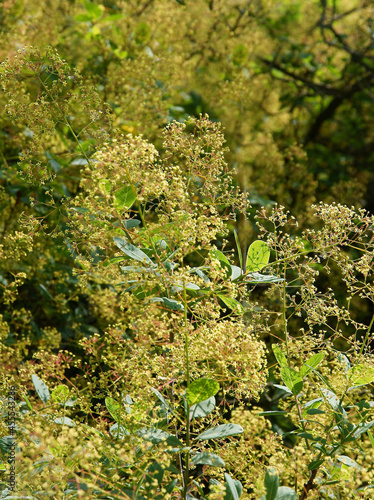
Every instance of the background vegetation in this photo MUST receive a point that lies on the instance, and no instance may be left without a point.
(144, 146)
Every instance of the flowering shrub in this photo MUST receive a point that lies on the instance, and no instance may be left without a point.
(154, 355)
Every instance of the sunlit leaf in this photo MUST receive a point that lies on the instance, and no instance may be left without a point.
(348, 461)
(292, 379)
(311, 363)
(279, 354)
(201, 389)
(124, 197)
(257, 257)
(231, 303)
(361, 375)
(114, 408)
(60, 394)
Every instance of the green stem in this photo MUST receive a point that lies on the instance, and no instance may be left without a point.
(187, 456)
(288, 353)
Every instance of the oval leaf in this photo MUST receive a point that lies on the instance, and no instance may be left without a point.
(232, 488)
(131, 250)
(60, 394)
(236, 272)
(124, 197)
(258, 256)
(348, 461)
(221, 431)
(311, 364)
(286, 493)
(201, 389)
(206, 458)
(292, 380)
(169, 303)
(279, 354)
(114, 409)
(203, 409)
(118, 431)
(41, 389)
(263, 278)
(64, 421)
(231, 303)
(271, 483)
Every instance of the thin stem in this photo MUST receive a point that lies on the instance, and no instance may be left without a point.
(187, 456)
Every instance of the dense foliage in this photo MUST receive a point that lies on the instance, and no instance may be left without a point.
(186, 254)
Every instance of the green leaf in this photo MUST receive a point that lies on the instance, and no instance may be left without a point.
(283, 388)
(362, 428)
(5, 445)
(314, 411)
(113, 260)
(223, 261)
(163, 400)
(345, 361)
(279, 354)
(271, 483)
(157, 436)
(124, 197)
(114, 408)
(315, 464)
(221, 431)
(201, 389)
(236, 272)
(169, 303)
(28, 403)
(361, 375)
(132, 251)
(231, 303)
(311, 363)
(60, 394)
(233, 488)
(118, 431)
(129, 223)
(41, 389)
(314, 403)
(93, 10)
(286, 493)
(83, 18)
(348, 461)
(239, 249)
(203, 409)
(206, 458)
(258, 256)
(292, 380)
(64, 421)
(262, 278)
(333, 401)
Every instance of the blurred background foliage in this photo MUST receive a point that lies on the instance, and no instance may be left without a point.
(292, 82)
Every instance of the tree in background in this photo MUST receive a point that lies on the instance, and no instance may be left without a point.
(90, 177)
